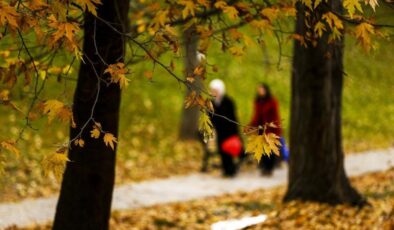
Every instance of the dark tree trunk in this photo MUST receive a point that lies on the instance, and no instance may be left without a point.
(189, 120)
(86, 192)
(317, 161)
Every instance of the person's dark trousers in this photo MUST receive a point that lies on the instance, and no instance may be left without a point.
(228, 166)
(267, 163)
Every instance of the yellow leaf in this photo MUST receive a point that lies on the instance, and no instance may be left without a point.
(90, 5)
(270, 13)
(231, 11)
(236, 51)
(188, 9)
(148, 74)
(352, 6)
(363, 33)
(317, 3)
(4, 95)
(307, 3)
(205, 126)
(110, 139)
(191, 99)
(95, 133)
(8, 15)
(10, 146)
(64, 114)
(55, 163)
(79, 142)
(52, 108)
(117, 72)
(160, 19)
(205, 3)
(319, 28)
(264, 144)
(220, 4)
(372, 3)
(333, 21)
(199, 70)
(262, 25)
(63, 31)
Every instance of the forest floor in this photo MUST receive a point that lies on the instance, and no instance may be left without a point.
(187, 188)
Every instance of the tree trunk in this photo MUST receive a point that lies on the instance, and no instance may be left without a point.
(86, 192)
(189, 122)
(317, 161)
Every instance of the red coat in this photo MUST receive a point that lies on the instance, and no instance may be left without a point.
(266, 111)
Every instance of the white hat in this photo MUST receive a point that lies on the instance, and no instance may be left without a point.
(218, 85)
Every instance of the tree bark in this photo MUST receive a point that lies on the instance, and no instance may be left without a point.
(317, 160)
(189, 120)
(87, 186)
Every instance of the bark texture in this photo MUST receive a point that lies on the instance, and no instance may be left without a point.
(316, 155)
(189, 120)
(86, 192)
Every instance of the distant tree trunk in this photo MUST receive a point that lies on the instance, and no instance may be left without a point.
(86, 192)
(316, 156)
(189, 122)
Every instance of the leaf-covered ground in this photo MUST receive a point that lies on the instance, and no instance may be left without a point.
(378, 188)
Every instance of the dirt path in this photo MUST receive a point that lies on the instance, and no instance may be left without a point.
(183, 188)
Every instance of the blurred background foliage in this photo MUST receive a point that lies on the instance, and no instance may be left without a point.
(151, 111)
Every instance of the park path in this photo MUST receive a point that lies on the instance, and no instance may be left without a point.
(183, 188)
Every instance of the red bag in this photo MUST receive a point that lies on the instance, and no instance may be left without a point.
(232, 146)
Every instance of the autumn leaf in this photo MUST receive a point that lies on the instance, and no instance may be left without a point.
(372, 3)
(270, 13)
(90, 5)
(188, 9)
(220, 4)
(307, 3)
(333, 21)
(191, 99)
(317, 3)
(37, 5)
(52, 108)
(205, 3)
(352, 6)
(117, 72)
(64, 114)
(10, 146)
(264, 144)
(363, 33)
(198, 71)
(110, 139)
(4, 95)
(8, 15)
(55, 163)
(262, 25)
(205, 126)
(148, 74)
(79, 142)
(63, 31)
(319, 28)
(95, 133)
(231, 12)
(236, 51)
(159, 20)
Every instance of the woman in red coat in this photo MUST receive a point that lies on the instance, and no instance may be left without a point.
(266, 110)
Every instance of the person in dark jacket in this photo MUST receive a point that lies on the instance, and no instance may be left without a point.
(224, 110)
(266, 110)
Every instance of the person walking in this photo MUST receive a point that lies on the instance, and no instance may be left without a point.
(266, 110)
(225, 121)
